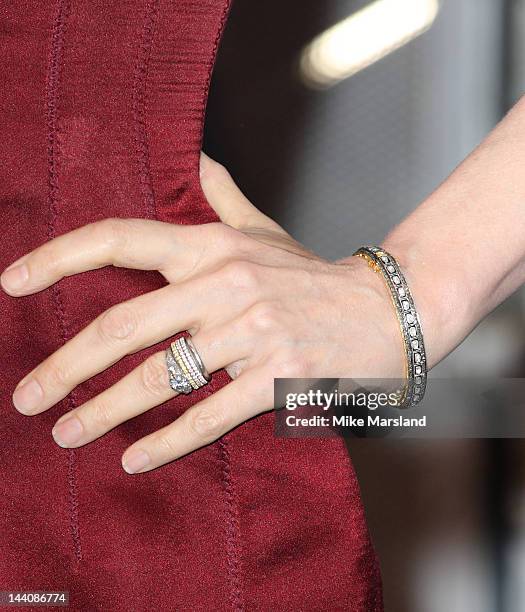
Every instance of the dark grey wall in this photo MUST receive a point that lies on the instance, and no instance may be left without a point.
(338, 168)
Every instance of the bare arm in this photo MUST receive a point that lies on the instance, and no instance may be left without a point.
(463, 248)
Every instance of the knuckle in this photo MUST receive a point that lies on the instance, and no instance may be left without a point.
(217, 172)
(47, 261)
(205, 423)
(226, 237)
(56, 375)
(115, 232)
(167, 445)
(219, 245)
(118, 323)
(240, 274)
(102, 415)
(264, 317)
(291, 364)
(235, 369)
(154, 376)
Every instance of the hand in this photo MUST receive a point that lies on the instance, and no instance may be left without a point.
(255, 301)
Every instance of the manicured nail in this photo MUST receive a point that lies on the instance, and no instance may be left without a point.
(67, 432)
(15, 278)
(135, 461)
(28, 396)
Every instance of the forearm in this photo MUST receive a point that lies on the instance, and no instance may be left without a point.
(463, 249)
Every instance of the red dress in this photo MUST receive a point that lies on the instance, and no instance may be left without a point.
(102, 115)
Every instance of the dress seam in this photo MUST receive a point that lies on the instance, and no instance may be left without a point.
(234, 553)
(55, 63)
(140, 114)
(233, 530)
(139, 105)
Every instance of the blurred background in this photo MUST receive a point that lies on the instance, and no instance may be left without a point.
(338, 118)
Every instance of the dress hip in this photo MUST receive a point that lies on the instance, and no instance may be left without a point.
(102, 114)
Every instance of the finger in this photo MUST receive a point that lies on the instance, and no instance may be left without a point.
(175, 250)
(145, 387)
(133, 243)
(250, 394)
(228, 201)
(126, 328)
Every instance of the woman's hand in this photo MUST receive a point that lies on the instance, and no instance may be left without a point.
(255, 301)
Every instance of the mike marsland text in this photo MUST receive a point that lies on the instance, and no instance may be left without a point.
(372, 420)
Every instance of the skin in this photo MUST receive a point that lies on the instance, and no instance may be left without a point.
(262, 306)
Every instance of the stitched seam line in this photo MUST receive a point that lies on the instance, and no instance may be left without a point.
(140, 107)
(148, 194)
(232, 529)
(231, 512)
(52, 87)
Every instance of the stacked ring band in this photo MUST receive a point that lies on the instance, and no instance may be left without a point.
(415, 364)
(190, 372)
(202, 368)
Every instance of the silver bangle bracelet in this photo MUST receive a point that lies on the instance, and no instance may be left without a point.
(408, 317)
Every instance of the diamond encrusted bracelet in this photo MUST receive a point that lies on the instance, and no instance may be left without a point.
(416, 361)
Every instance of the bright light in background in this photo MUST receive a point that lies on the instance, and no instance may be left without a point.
(364, 38)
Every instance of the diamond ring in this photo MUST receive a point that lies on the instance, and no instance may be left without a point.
(185, 366)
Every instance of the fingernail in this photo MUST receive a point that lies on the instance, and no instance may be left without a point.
(67, 432)
(15, 278)
(135, 461)
(28, 396)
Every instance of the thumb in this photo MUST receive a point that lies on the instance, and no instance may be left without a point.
(228, 201)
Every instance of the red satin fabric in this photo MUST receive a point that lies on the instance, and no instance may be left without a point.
(102, 114)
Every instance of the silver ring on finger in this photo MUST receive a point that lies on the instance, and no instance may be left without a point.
(190, 363)
(201, 365)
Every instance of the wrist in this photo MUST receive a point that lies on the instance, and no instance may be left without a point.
(382, 350)
(447, 306)
(375, 328)
(439, 287)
